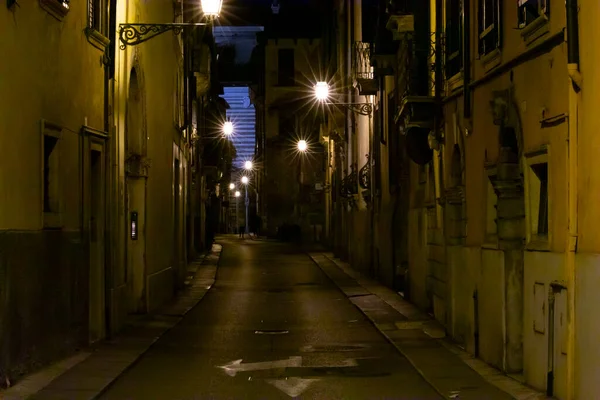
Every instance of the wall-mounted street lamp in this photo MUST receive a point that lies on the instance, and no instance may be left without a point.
(228, 128)
(302, 146)
(134, 34)
(322, 95)
(232, 186)
(248, 165)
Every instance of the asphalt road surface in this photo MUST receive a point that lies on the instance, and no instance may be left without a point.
(272, 327)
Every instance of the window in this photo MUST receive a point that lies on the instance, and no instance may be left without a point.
(286, 124)
(453, 37)
(97, 24)
(537, 199)
(491, 227)
(97, 16)
(285, 67)
(50, 176)
(541, 186)
(531, 10)
(57, 8)
(489, 26)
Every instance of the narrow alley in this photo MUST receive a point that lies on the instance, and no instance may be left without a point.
(276, 320)
(273, 325)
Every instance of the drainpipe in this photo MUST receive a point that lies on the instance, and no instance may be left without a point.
(467, 59)
(575, 81)
(476, 323)
(111, 214)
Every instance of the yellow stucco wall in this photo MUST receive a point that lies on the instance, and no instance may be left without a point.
(42, 58)
(156, 63)
(587, 262)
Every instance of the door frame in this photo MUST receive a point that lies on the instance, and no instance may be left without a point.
(96, 140)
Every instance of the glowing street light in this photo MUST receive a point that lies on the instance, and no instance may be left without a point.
(232, 186)
(302, 145)
(248, 165)
(245, 180)
(228, 128)
(237, 193)
(322, 91)
(211, 8)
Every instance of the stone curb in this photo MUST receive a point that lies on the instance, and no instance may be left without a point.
(420, 326)
(88, 375)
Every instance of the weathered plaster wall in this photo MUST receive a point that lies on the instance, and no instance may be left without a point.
(43, 289)
(587, 261)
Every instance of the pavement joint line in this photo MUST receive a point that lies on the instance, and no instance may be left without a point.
(46, 380)
(506, 384)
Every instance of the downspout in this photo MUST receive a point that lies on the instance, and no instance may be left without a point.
(575, 81)
(467, 59)
(110, 218)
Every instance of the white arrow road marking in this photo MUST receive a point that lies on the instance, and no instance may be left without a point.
(292, 386)
(236, 366)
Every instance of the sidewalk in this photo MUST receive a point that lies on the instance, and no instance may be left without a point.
(87, 374)
(451, 371)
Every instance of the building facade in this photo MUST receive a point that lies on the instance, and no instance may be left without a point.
(291, 184)
(472, 192)
(105, 148)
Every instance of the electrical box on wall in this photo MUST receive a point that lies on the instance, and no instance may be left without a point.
(134, 225)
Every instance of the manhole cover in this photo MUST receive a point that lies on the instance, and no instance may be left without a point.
(271, 332)
(334, 347)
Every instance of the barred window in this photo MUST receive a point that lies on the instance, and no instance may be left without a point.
(531, 10)
(489, 26)
(454, 32)
(98, 16)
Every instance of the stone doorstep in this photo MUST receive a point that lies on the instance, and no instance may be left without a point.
(71, 378)
(420, 326)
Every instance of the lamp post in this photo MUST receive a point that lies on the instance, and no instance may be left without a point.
(134, 34)
(245, 181)
(302, 147)
(231, 187)
(237, 197)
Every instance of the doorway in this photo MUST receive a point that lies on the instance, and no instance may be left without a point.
(97, 278)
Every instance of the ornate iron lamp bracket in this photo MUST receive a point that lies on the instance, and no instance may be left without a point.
(134, 34)
(359, 108)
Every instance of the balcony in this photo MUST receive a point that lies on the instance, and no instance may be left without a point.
(362, 71)
(417, 106)
(416, 80)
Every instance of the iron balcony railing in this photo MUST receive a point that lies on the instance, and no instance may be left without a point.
(416, 61)
(361, 61)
